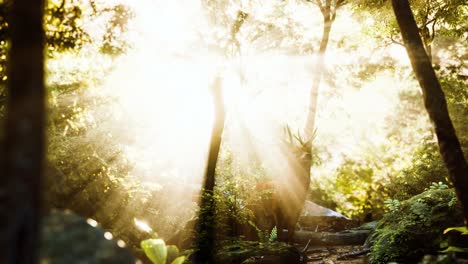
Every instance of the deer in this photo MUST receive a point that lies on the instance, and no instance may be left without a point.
(286, 195)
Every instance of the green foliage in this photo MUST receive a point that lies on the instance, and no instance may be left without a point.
(415, 229)
(63, 26)
(461, 229)
(88, 172)
(454, 249)
(265, 236)
(238, 251)
(437, 186)
(234, 192)
(454, 86)
(454, 244)
(354, 188)
(157, 251)
(273, 234)
(434, 18)
(172, 253)
(393, 205)
(64, 30)
(262, 235)
(112, 41)
(426, 170)
(179, 260)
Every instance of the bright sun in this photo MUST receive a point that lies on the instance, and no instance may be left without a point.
(164, 95)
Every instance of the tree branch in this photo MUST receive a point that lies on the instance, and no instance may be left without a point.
(394, 41)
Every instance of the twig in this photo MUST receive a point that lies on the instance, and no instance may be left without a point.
(395, 41)
(307, 246)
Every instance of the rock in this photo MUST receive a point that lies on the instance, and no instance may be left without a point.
(313, 209)
(349, 237)
(69, 238)
(326, 223)
(320, 219)
(238, 251)
(450, 258)
(367, 226)
(411, 232)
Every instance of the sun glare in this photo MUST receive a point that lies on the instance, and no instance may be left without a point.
(142, 225)
(398, 52)
(164, 91)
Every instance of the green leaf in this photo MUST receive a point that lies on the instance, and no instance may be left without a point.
(454, 249)
(172, 253)
(179, 260)
(274, 234)
(462, 229)
(155, 250)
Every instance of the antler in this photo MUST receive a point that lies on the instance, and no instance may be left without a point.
(294, 138)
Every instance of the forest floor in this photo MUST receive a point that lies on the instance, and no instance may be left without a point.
(335, 254)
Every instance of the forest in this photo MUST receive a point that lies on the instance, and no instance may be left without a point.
(233, 131)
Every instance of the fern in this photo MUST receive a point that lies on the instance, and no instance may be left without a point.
(273, 234)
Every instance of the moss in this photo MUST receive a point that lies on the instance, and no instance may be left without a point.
(238, 251)
(416, 229)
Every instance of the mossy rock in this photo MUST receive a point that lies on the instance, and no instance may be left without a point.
(450, 258)
(69, 238)
(238, 251)
(407, 234)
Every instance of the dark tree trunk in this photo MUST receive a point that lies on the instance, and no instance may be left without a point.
(205, 241)
(20, 182)
(434, 101)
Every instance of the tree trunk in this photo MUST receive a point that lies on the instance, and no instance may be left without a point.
(205, 240)
(434, 101)
(319, 65)
(20, 183)
(427, 40)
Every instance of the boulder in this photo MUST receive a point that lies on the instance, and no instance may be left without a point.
(69, 238)
(313, 209)
(415, 229)
(317, 218)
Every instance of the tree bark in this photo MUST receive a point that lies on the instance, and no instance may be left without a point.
(20, 182)
(205, 240)
(328, 19)
(434, 101)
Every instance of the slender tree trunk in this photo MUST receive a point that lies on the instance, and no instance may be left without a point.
(205, 241)
(216, 135)
(319, 66)
(20, 182)
(434, 101)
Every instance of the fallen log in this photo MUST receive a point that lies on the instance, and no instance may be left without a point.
(350, 237)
